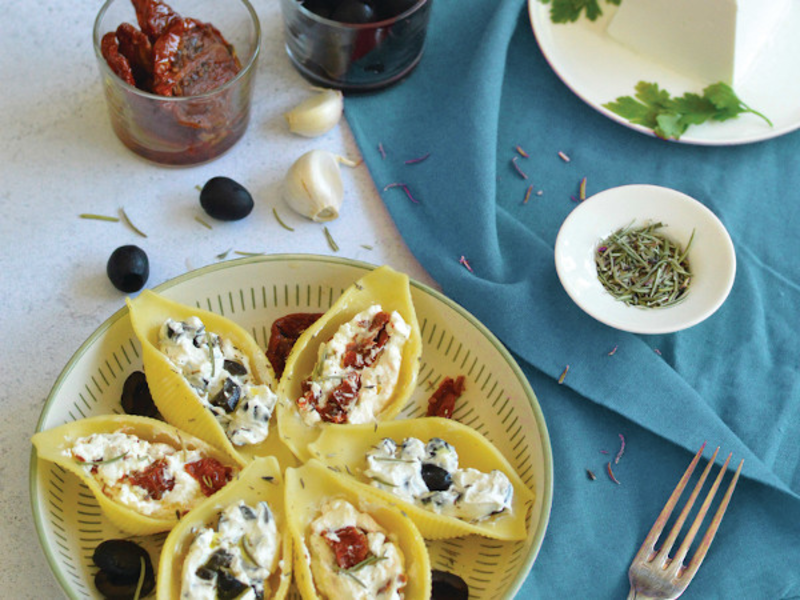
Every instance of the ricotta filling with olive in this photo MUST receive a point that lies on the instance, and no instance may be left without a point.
(353, 557)
(428, 475)
(148, 478)
(220, 374)
(236, 559)
(357, 369)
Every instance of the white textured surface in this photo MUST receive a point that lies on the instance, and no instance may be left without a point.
(59, 158)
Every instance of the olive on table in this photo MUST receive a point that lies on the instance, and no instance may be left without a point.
(225, 199)
(120, 563)
(136, 398)
(448, 586)
(128, 268)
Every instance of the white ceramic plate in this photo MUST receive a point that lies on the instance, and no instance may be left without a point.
(498, 401)
(711, 255)
(599, 70)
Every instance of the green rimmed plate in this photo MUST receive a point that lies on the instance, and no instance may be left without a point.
(498, 402)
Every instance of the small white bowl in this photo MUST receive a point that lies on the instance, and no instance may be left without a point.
(711, 257)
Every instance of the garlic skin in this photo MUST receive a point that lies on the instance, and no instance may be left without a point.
(313, 185)
(316, 115)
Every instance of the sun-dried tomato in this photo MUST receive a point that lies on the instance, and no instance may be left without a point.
(109, 48)
(136, 47)
(443, 401)
(284, 334)
(366, 350)
(191, 58)
(339, 400)
(153, 17)
(211, 474)
(153, 479)
(349, 544)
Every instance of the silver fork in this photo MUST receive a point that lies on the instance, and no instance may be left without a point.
(654, 575)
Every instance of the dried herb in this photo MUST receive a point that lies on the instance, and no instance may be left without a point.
(100, 462)
(381, 150)
(98, 217)
(613, 351)
(202, 222)
(582, 190)
(528, 194)
(140, 583)
(563, 156)
(223, 255)
(563, 375)
(522, 152)
(331, 242)
(517, 169)
(280, 221)
(130, 223)
(670, 117)
(466, 264)
(243, 253)
(413, 161)
(640, 267)
(569, 11)
(611, 473)
(370, 560)
(590, 475)
(404, 188)
(621, 449)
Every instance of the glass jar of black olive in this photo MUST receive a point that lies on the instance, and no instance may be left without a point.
(355, 45)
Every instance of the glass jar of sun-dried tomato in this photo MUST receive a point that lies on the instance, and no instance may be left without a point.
(178, 75)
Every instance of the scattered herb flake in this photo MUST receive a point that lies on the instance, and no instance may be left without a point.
(611, 473)
(670, 117)
(130, 224)
(517, 169)
(466, 264)
(613, 350)
(590, 474)
(657, 351)
(621, 449)
(569, 11)
(382, 151)
(202, 222)
(528, 194)
(223, 255)
(242, 253)
(405, 189)
(563, 156)
(366, 246)
(522, 152)
(280, 221)
(563, 375)
(413, 161)
(140, 582)
(582, 189)
(99, 217)
(331, 242)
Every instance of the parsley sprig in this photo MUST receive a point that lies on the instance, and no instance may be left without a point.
(670, 117)
(569, 11)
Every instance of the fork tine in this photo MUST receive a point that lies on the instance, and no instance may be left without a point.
(702, 548)
(646, 551)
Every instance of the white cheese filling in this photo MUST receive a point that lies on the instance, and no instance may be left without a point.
(237, 557)
(377, 380)
(428, 476)
(220, 374)
(112, 458)
(381, 575)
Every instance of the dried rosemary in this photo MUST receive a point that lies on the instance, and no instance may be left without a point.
(640, 267)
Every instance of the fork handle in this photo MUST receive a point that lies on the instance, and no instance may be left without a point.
(634, 595)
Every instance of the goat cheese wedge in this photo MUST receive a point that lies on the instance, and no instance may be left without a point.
(711, 40)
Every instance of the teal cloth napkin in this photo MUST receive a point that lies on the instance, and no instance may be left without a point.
(483, 88)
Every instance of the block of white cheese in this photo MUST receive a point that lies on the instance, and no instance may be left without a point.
(710, 40)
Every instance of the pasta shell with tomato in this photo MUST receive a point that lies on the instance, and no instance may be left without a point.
(358, 363)
(144, 473)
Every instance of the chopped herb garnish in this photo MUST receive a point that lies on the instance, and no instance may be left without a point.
(223, 255)
(202, 222)
(517, 169)
(99, 217)
(621, 449)
(641, 268)
(590, 475)
(522, 152)
(611, 473)
(412, 161)
(563, 375)
(130, 223)
(241, 253)
(354, 578)
(366, 246)
(102, 461)
(382, 482)
(563, 156)
(670, 117)
(268, 478)
(280, 221)
(140, 582)
(381, 150)
(405, 189)
(569, 11)
(392, 459)
(582, 190)
(528, 194)
(331, 242)
(613, 351)
(466, 264)
(370, 560)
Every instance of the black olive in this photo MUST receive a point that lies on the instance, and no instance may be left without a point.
(228, 397)
(228, 587)
(136, 398)
(120, 564)
(448, 586)
(128, 268)
(234, 368)
(111, 589)
(388, 9)
(436, 478)
(354, 11)
(225, 199)
(216, 562)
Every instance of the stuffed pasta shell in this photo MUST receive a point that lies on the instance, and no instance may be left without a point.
(350, 548)
(234, 545)
(358, 363)
(145, 473)
(448, 477)
(207, 375)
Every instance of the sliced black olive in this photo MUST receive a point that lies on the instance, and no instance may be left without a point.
(228, 397)
(234, 367)
(228, 587)
(436, 478)
(121, 559)
(217, 562)
(448, 586)
(225, 199)
(128, 268)
(111, 589)
(354, 11)
(248, 514)
(136, 398)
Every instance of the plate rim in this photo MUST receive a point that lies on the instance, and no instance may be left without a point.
(538, 13)
(546, 446)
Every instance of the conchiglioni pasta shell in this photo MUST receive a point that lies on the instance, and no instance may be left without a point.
(172, 394)
(310, 486)
(346, 449)
(382, 286)
(259, 480)
(51, 444)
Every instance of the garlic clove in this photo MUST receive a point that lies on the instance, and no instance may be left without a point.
(316, 115)
(313, 185)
